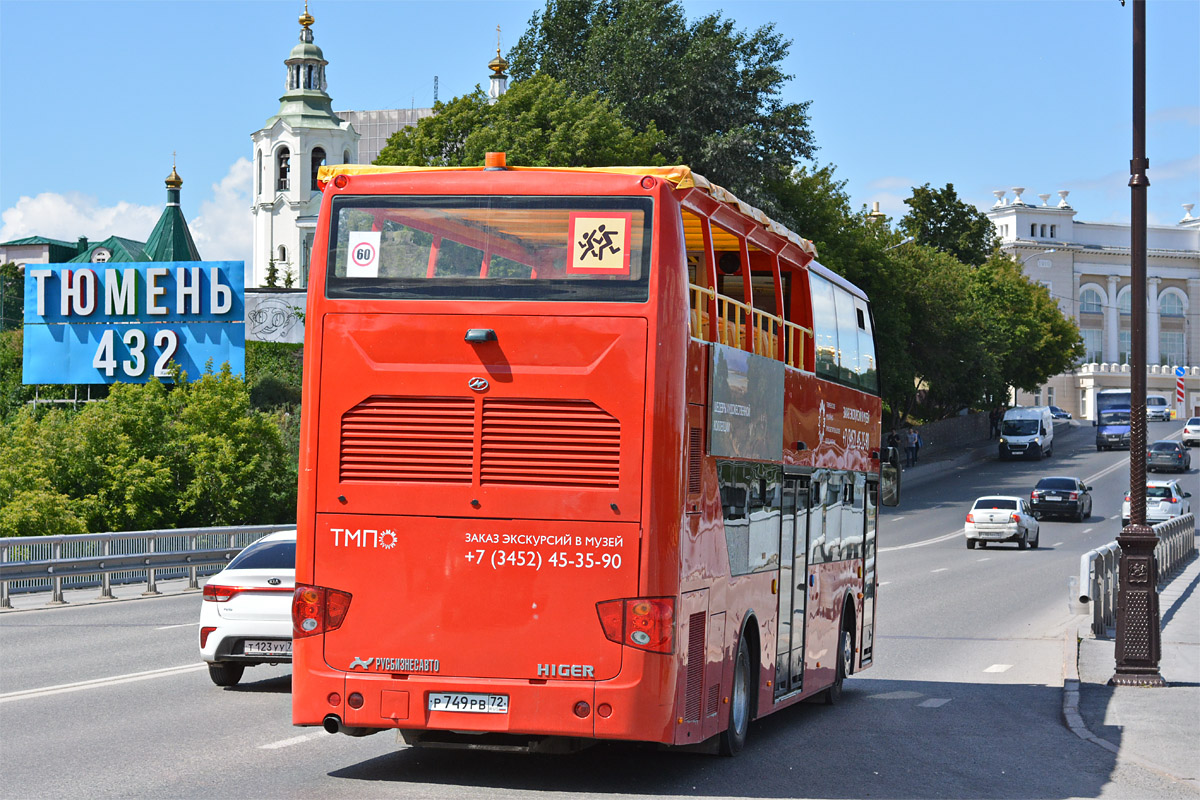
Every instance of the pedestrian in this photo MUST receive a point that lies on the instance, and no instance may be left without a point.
(917, 448)
(994, 423)
(893, 444)
(910, 447)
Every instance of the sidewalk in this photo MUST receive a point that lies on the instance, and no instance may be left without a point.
(1154, 728)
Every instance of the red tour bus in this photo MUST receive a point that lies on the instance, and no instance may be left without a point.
(586, 454)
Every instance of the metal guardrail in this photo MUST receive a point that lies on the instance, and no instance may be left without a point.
(55, 563)
(1099, 569)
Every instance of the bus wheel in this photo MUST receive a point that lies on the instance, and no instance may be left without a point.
(734, 737)
(845, 665)
(225, 674)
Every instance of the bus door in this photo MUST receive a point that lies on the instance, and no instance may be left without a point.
(793, 591)
(869, 578)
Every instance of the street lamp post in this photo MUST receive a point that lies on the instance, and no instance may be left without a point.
(1035, 255)
(1139, 641)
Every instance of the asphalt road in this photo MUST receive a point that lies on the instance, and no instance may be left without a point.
(110, 700)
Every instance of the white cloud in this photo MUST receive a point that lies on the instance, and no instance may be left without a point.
(74, 214)
(223, 229)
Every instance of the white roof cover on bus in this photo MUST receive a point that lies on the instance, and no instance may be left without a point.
(682, 176)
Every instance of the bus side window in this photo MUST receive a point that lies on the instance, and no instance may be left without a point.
(735, 507)
(833, 518)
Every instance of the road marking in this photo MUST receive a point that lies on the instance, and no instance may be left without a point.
(941, 569)
(1056, 544)
(185, 625)
(935, 540)
(985, 558)
(1111, 468)
(999, 668)
(294, 740)
(897, 695)
(883, 583)
(63, 688)
(934, 702)
(1088, 530)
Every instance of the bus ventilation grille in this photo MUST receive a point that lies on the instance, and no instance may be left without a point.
(695, 667)
(549, 443)
(399, 439)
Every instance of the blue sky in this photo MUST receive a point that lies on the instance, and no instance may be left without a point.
(984, 94)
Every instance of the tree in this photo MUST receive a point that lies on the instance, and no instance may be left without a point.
(714, 91)
(1025, 330)
(538, 122)
(940, 220)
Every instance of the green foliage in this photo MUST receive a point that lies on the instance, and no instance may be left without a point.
(712, 90)
(12, 297)
(150, 456)
(537, 123)
(942, 221)
(273, 373)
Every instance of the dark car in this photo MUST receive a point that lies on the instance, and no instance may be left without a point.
(1058, 413)
(1061, 497)
(1170, 455)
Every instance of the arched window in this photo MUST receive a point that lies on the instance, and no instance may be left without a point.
(283, 160)
(345, 156)
(1053, 234)
(318, 161)
(282, 254)
(1170, 304)
(1124, 300)
(1033, 230)
(1090, 302)
(1043, 231)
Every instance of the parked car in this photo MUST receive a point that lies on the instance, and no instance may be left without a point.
(1191, 432)
(1061, 497)
(1164, 500)
(246, 616)
(1058, 413)
(1001, 518)
(1165, 454)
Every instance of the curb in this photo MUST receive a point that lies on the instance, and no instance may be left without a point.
(1074, 720)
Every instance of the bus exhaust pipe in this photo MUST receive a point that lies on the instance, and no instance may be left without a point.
(333, 724)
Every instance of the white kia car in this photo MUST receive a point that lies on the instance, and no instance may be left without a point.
(1164, 500)
(246, 616)
(1191, 432)
(1001, 519)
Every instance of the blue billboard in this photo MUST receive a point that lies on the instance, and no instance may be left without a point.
(127, 322)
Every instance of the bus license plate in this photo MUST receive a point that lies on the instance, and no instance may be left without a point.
(470, 702)
(252, 647)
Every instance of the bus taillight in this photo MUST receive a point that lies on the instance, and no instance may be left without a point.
(647, 623)
(316, 609)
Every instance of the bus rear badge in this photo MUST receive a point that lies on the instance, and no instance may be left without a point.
(566, 671)
(478, 384)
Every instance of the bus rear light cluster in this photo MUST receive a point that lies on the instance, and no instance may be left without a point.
(646, 623)
(316, 610)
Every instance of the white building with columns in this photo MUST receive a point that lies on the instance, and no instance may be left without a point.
(288, 150)
(1086, 267)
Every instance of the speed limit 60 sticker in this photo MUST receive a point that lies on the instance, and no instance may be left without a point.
(363, 261)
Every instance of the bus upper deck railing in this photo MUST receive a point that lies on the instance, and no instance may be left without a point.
(731, 316)
(55, 563)
(1100, 568)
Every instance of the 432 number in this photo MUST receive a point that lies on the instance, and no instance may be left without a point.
(105, 360)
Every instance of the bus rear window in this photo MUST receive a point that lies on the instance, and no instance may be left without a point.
(490, 248)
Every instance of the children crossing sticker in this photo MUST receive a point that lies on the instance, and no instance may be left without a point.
(364, 255)
(600, 243)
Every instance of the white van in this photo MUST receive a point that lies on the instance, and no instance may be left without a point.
(1157, 408)
(1027, 433)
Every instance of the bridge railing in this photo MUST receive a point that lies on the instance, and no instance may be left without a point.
(55, 563)
(1100, 569)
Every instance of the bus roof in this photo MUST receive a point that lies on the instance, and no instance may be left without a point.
(681, 176)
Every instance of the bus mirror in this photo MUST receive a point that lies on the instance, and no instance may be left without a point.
(889, 482)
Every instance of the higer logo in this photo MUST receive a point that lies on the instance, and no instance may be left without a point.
(364, 538)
